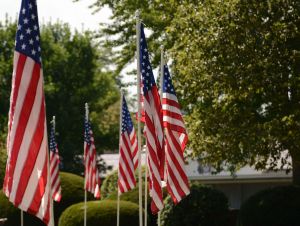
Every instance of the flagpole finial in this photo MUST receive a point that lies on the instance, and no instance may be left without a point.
(86, 110)
(162, 47)
(137, 14)
(53, 121)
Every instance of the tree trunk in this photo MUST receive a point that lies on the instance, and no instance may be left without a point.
(296, 169)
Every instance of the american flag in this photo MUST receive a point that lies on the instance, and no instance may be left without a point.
(128, 147)
(92, 179)
(54, 167)
(26, 181)
(176, 139)
(154, 129)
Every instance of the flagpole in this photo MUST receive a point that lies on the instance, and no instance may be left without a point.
(118, 209)
(22, 218)
(162, 63)
(138, 24)
(51, 198)
(120, 132)
(146, 188)
(85, 192)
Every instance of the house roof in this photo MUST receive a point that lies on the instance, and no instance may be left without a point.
(204, 174)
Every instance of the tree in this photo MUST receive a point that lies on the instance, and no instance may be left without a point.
(75, 72)
(236, 69)
(238, 74)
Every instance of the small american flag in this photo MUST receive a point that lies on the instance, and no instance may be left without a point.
(92, 179)
(128, 150)
(26, 181)
(154, 128)
(176, 139)
(54, 167)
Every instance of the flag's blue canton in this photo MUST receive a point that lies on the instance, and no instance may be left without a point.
(146, 69)
(28, 33)
(52, 140)
(87, 129)
(126, 118)
(167, 82)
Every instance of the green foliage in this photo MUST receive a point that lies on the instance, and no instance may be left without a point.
(109, 185)
(278, 206)
(156, 15)
(74, 75)
(101, 213)
(133, 196)
(238, 75)
(3, 157)
(75, 72)
(236, 72)
(72, 192)
(204, 206)
(109, 191)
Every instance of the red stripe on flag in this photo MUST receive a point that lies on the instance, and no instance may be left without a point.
(17, 80)
(24, 116)
(40, 189)
(32, 155)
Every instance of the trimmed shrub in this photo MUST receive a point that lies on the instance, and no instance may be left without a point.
(72, 192)
(13, 214)
(109, 184)
(72, 187)
(101, 213)
(278, 206)
(133, 196)
(205, 206)
(3, 156)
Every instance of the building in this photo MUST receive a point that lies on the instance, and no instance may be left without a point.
(238, 187)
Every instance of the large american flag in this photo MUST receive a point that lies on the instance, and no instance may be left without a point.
(92, 179)
(176, 139)
(26, 181)
(54, 167)
(153, 122)
(128, 146)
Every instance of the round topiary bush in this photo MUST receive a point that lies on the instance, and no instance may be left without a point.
(72, 187)
(101, 213)
(133, 196)
(205, 206)
(278, 206)
(72, 192)
(13, 214)
(109, 183)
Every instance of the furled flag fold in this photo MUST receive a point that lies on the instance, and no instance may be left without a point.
(128, 151)
(153, 126)
(176, 139)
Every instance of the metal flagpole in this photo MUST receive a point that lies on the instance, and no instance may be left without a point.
(162, 63)
(118, 209)
(118, 202)
(22, 218)
(146, 188)
(51, 203)
(138, 25)
(85, 192)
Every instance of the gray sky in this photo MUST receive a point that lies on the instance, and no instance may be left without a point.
(76, 14)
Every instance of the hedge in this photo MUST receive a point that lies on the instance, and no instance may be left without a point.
(72, 192)
(204, 206)
(101, 213)
(279, 206)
